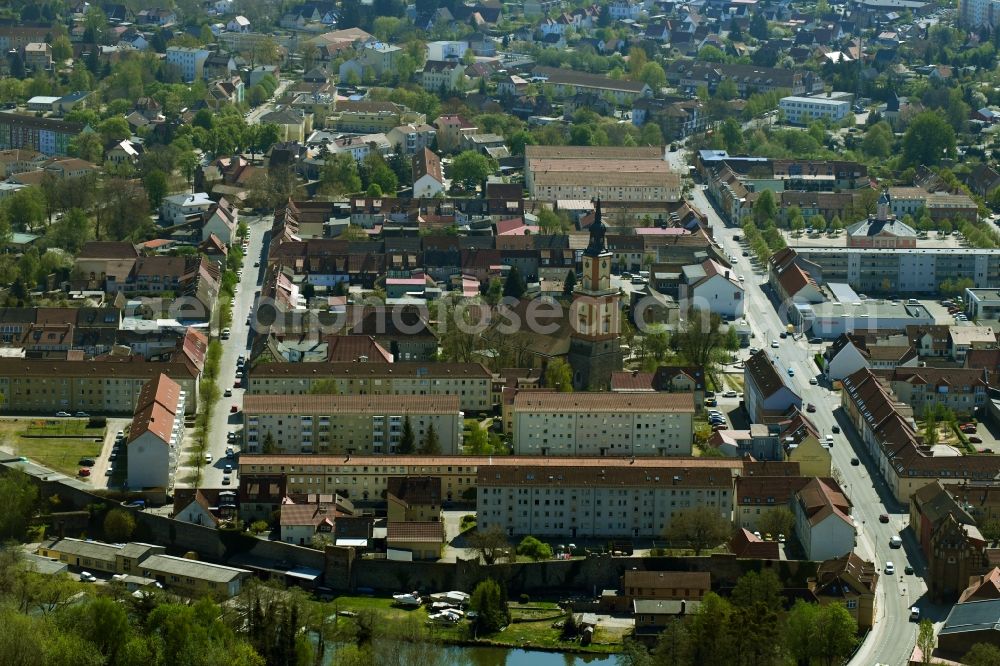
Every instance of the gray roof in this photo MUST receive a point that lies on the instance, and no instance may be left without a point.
(179, 566)
(91, 549)
(693, 272)
(873, 227)
(973, 616)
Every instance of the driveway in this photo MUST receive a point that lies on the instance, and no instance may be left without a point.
(102, 462)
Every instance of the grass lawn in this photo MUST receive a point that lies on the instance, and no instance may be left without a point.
(735, 382)
(539, 633)
(62, 427)
(62, 455)
(59, 453)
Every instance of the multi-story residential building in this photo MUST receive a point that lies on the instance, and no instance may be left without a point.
(677, 118)
(962, 390)
(266, 479)
(15, 37)
(602, 424)
(690, 75)
(939, 205)
(428, 179)
(446, 75)
(411, 139)
(597, 498)
(374, 59)
(450, 131)
(156, 433)
(979, 13)
(847, 581)
(190, 61)
(568, 82)
(349, 424)
(889, 435)
(471, 382)
(766, 391)
(38, 56)
(176, 208)
(804, 110)
(823, 523)
(98, 386)
(46, 135)
(758, 496)
(904, 270)
(366, 116)
(612, 174)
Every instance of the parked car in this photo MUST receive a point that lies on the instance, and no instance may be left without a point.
(810, 407)
(84, 471)
(976, 440)
(86, 462)
(226, 480)
(87, 577)
(208, 458)
(836, 429)
(227, 469)
(783, 335)
(774, 344)
(815, 341)
(908, 570)
(234, 409)
(82, 415)
(883, 518)
(61, 414)
(914, 613)
(813, 381)
(791, 372)
(729, 394)
(890, 568)
(230, 452)
(711, 402)
(855, 462)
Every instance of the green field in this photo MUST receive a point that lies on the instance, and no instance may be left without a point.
(55, 427)
(62, 454)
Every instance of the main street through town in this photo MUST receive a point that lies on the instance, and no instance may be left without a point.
(223, 420)
(893, 637)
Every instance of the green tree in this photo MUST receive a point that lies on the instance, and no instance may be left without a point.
(119, 525)
(559, 375)
(407, 438)
(477, 441)
(339, 175)
(26, 208)
(472, 168)
(380, 174)
(62, 49)
(114, 130)
(490, 603)
(87, 146)
(758, 26)
(569, 283)
(71, 232)
(155, 183)
(878, 140)
(764, 208)
(652, 74)
(18, 497)
(431, 446)
(699, 527)
(982, 654)
(835, 635)
(925, 641)
(514, 286)
(928, 140)
(552, 222)
(324, 387)
(779, 520)
(535, 549)
(374, 190)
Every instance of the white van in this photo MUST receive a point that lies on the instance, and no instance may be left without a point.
(895, 542)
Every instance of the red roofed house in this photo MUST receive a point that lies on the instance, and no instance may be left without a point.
(822, 520)
(156, 429)
(301, 522)
(427, 177)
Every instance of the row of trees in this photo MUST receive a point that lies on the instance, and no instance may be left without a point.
(752, 627)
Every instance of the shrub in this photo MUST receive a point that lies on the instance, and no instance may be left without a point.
(524, 599)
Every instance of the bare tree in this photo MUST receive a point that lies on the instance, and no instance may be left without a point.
(700, 527)
(491, 543)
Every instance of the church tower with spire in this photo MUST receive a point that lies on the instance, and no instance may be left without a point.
(595, 315)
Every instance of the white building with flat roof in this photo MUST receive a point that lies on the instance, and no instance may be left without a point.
(803, 110)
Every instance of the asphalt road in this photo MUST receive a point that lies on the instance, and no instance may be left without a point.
(892, 639)
(223, 420)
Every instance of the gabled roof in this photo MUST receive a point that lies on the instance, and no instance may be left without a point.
(761, 369)
(415, 490)
(821, 498)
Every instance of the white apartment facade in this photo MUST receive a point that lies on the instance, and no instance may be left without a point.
(598, 498)
(190, 61)
(804, 110)
(601, 424)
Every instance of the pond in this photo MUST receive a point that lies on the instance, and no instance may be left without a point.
(494, 656)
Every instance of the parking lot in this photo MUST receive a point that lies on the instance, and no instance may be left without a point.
(989, 435)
